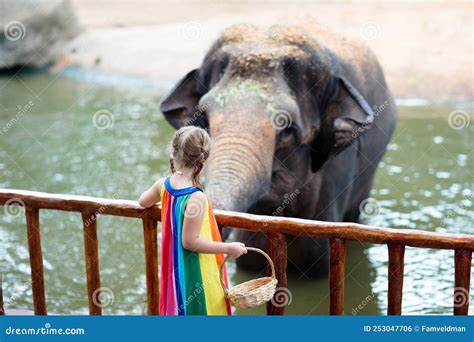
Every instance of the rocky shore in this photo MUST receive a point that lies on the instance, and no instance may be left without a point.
(426, 49)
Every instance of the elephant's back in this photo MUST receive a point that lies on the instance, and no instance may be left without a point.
(349, 51)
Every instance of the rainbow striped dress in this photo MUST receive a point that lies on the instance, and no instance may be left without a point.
(189, 281)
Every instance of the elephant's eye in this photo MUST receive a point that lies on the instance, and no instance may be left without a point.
(221, 74)
(220, 68)
(286, 136)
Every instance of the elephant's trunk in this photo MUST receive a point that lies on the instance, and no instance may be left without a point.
(236, 173)
(240, 164)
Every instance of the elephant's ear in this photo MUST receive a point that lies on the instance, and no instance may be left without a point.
(181, 104)
(348, 115)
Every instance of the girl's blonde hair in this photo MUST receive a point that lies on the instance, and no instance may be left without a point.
(190, 148)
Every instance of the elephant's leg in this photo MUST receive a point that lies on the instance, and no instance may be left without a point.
(359, 192)
(308, 256)
(352, 215)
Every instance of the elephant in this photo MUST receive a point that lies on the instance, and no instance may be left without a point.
(299, 119)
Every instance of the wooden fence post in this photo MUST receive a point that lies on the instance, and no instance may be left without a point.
(276, 248)
(36, 260)
(2, 310)
(151, 261)
(91, 252)
(462, 280)
(396, 255)
(337, 262)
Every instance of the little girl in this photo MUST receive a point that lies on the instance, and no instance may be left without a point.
(191, 247)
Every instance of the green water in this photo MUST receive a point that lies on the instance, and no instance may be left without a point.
(50, 143)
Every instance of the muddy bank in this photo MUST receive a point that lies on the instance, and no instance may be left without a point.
(425, 49)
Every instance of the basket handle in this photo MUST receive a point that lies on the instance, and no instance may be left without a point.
(253, 249)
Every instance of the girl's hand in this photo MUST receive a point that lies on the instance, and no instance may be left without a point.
(235, 249)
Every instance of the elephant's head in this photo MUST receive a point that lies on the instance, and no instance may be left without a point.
(277, 107)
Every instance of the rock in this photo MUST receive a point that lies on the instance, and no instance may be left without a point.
(34, 33)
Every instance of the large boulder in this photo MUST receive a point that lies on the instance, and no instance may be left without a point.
(34, 32)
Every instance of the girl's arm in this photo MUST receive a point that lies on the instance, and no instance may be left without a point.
(152, 195)
(190, 238)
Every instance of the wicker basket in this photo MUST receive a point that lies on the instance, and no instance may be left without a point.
(254, 292)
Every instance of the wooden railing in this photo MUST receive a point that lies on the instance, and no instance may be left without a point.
(274, 227)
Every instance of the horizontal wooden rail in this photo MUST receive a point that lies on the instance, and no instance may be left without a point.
(266, 224)
(274, 227)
